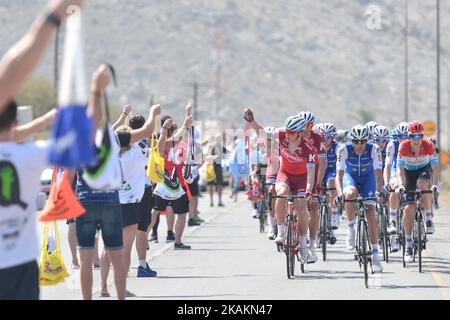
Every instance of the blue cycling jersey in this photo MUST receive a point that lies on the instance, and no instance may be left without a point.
(332, 155)
(356, 165)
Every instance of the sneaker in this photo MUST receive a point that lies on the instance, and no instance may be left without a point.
(153, 239)
(312, 257)
(376, 263)
(392, 229)
(193, 223)
(303, 255)
(332, 238)
(255, 214)
(129, 294)
(181, 246)
(335, 221)
(394, 243)
(146, 272)
(170, 236)
(271, 234)
(198, 219)
(409, 257)
(279, 239)
(430, 227)
(351, 240)
(221, 204)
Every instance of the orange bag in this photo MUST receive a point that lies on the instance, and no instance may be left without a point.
(61, 203)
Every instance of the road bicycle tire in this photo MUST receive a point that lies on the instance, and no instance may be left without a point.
(385, 239)
(364, 254)
(323, 231)
(288, 248)
(420, 242)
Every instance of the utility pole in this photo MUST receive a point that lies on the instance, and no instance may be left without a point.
(438, 68)
(152, 99)
(406, 62)
(195, 86)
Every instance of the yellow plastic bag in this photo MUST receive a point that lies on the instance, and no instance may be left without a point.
(155, 167)
(210, 175)
(51, 265)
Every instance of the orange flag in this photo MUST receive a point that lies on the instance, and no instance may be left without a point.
(62, 203)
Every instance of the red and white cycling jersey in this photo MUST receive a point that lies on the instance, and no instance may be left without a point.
(415, 161)
(317, 141)
(296, 162)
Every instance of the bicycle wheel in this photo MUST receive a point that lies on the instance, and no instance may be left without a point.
(403, 247)
(288, 248)
(385, 237)
(363, 252)
(323, 231)
(293, 249)
(420, 242)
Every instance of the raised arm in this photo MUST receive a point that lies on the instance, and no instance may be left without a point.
(23, 132)
(123, 117)
(163, 136)
(20, 60)
(148, 127)
(248, 116)
(99, 81)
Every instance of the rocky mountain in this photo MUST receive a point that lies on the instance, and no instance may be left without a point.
(332, 57)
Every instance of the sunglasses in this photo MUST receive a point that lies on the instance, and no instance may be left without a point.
(359, 141)
(403, 136)
(380, 140)
(327, 136)
(416, 136)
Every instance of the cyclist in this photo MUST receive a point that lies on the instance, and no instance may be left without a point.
(399, 134)
(371, 125)
(381, 138)
(295, 176)
(358, 170)
(331, 146)
(316, 140)
(415, 158)
(341, 136)
(273, 164)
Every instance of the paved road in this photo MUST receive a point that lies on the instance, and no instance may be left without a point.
(230, 259)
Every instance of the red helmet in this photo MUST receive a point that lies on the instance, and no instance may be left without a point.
(415, 127)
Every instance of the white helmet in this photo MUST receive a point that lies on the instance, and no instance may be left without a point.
(359, 132)
(295, 123)
(341, 134)
(381, 132)
(329, 128)
(318, 127)
(308, 116)
(402, 128)
(371, 125)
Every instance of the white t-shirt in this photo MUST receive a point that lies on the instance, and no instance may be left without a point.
(133, 163)
(20, 169)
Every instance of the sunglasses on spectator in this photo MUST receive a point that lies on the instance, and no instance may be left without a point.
(403, 136)
(380, 140)
(416, 136)
(359, 141)
(327, 136)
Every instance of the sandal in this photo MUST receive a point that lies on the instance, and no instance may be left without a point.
(129, 294)
(104, 294)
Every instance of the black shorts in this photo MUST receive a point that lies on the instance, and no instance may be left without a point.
(179, 206)
(146, 210)
(194, 187)
(411, 178)
(20, 282)
(130, 213)
(219, 175)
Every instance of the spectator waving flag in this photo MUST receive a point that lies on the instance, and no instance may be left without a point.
(71, 136)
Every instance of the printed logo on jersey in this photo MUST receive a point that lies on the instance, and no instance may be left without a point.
(10, 186)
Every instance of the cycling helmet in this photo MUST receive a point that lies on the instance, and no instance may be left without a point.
(381, 132)
(415, 127)
(308, 116)
(341, 134)
(295, 123)
(371, 125)
(318, 127)
(393, 133)
(359, 132)
(402, 128)
(328, 128)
